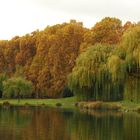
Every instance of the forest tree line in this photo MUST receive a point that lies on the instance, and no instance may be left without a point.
(97, 63)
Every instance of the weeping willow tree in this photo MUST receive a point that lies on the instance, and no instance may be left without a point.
(107, 73)
(17, 87)
(94, 78)
(130, 47)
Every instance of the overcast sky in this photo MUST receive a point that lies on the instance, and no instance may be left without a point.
(18, 17)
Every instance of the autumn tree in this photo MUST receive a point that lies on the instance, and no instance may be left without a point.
(57, 50)
(107, 31)
(47, 57)
(3, 77)
(2, 56)
(27, 49)
(105, 72)
(128, 25)
(10, 51)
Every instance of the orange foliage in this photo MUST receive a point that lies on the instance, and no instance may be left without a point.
(48, 57)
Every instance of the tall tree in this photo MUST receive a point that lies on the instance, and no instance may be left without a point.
(108, 30)
(91, 78)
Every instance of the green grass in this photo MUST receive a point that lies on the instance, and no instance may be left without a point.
(130, 106)
(66, 102)
(70, 103)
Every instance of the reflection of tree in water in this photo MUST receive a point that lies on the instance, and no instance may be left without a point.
(57, 124)
(47, 124)
(131, 126)
(12, 121)
(104, 126)
(33, 124)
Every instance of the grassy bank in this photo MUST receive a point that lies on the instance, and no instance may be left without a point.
(123, 106)
(70, 102)
(62, 102)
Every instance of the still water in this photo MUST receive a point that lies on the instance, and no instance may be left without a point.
(57, 124)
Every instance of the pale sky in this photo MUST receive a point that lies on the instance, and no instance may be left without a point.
(18, 17)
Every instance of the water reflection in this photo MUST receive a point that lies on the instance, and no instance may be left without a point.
(57, 124)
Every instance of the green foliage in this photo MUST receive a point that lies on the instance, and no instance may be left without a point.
(105, 72)
(130, 46)
(117, 68)
(101, 72)
(91, 78)
(17, 87)
(132, 89)
(3, 77)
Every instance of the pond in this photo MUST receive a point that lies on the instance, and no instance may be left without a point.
(32, 123)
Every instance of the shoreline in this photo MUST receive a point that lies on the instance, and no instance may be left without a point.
(121, 106)
(68, 103)
(71, 103)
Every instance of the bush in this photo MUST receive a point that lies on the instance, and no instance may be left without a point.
(6, 103)
(76, 104)
(17, 88)
(58, 104)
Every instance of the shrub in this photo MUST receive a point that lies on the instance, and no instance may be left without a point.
(17, 88)
(6, 103)
(58, 104)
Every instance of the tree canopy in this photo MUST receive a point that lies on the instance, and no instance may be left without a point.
(92, 78)
(17, 87)
(100, 61)
(106, 72)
